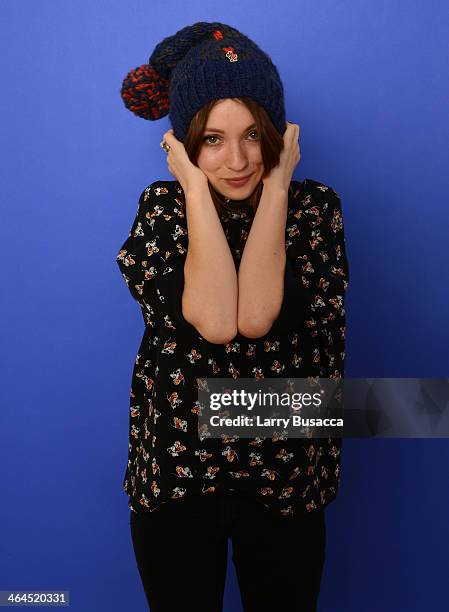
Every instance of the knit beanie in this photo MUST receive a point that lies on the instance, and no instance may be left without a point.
(202, 62)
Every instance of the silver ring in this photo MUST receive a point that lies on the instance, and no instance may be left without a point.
(165, 146)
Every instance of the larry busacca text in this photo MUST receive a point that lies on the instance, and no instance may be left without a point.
(258, 421)
(248, 408)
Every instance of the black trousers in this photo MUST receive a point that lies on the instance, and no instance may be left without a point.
(181, 555)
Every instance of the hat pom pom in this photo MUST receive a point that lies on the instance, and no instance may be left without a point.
(145, 93)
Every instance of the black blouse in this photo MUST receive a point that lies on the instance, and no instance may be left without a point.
(167, 458)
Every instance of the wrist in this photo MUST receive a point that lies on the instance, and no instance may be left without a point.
(275, 187)
(196, 191)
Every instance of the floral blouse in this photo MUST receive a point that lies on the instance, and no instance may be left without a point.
(167, 459)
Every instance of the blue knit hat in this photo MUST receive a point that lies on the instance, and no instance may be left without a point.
(203, 62)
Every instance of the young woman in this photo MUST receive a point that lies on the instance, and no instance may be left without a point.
(240, 272)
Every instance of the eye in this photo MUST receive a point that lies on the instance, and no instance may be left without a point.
(206, 139)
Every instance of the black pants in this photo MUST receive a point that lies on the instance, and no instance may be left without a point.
(181, 554)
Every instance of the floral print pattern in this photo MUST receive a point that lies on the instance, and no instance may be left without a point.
(168, 459)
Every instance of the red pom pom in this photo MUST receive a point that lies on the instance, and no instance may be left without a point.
(145, 93)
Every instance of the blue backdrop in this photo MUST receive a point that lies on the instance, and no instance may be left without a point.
(367, 81)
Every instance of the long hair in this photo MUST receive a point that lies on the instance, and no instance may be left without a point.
(271, 144)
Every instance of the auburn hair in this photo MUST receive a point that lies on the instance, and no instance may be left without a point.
(271, 145)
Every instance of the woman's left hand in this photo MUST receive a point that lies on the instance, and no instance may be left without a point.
(281, 175)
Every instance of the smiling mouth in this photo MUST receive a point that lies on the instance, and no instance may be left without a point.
(239, 181)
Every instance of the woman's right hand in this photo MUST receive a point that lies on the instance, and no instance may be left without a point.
(189, 176)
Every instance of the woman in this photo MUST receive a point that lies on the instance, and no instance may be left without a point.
(235, 279)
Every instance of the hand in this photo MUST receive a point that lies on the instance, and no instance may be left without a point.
(180, 166)
(281, 174)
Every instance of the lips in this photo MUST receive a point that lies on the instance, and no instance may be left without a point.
(238, 182)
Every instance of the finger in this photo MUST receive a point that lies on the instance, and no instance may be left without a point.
(170, 137)
(294, 130)
(289, 133)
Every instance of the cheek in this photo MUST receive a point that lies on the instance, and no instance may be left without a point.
(208, 162)
(255, 155)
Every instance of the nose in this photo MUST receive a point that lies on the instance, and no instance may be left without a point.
(237, 159)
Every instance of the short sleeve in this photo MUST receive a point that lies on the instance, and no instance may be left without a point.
(152, 257)
(318, 249)
(294, 302)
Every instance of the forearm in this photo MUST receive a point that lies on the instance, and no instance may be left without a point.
(209, 300)
(262, 267)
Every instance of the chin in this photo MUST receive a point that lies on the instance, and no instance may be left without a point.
(238, 194)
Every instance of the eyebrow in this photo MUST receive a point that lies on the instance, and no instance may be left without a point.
(208, 129)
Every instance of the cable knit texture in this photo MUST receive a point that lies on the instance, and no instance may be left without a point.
(203, 62)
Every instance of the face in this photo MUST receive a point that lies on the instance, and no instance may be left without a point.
(231, 149)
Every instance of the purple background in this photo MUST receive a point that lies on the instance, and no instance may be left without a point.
(367, 81)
